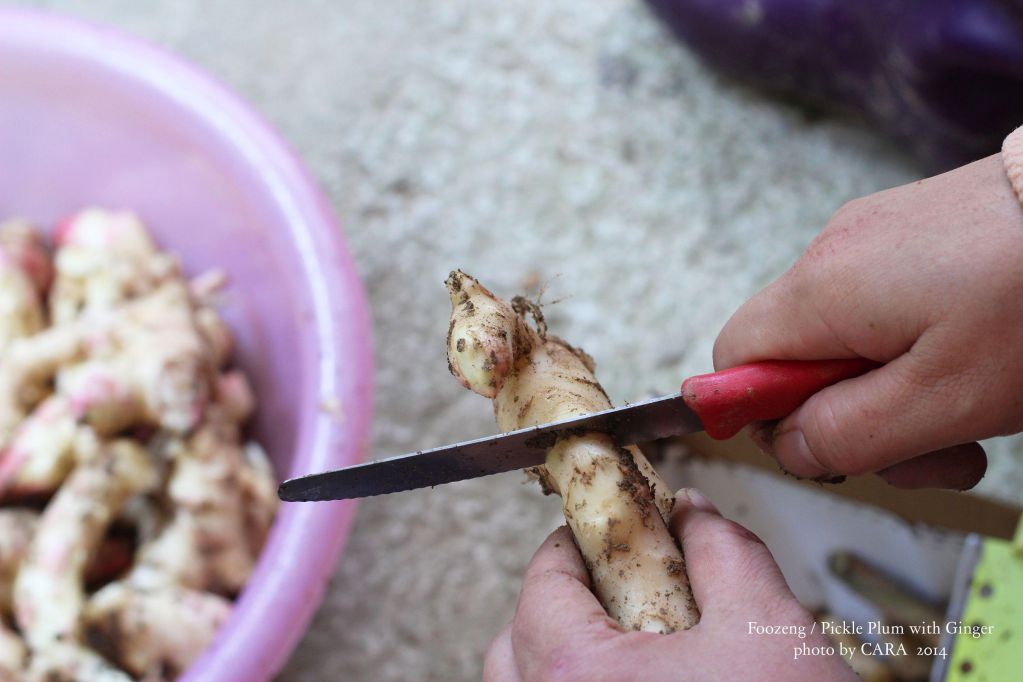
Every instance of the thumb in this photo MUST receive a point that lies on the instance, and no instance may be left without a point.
(895, 413)
(727, 564)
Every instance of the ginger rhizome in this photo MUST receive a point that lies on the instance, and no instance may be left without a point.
(615, 503)
(122, 429)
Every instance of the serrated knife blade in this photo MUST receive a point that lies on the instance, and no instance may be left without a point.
(636, 423)
(721, 403)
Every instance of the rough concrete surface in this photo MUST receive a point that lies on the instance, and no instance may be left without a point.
(567, 143)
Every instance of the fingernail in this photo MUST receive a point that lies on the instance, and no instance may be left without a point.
(791, 450)
(697, 499)
(762, 435)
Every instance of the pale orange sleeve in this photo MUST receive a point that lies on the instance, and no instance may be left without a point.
(1012, 157)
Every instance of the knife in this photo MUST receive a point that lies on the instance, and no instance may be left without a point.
(720, 403)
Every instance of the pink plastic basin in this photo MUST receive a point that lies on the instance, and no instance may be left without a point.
(89, 116)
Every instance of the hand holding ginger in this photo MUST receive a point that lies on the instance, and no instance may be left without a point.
(560, 630)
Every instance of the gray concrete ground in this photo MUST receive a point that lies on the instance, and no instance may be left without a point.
(571, 143)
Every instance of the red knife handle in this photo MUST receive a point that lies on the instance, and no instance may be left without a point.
(727, 401)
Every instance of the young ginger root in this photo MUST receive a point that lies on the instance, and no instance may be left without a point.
(615, 503)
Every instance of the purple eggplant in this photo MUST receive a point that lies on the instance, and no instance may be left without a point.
(942, 77)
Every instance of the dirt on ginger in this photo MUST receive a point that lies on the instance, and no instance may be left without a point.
(615, 503)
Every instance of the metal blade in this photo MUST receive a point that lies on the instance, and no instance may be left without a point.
(638, 423)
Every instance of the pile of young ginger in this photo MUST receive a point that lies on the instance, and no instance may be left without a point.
(132, 510)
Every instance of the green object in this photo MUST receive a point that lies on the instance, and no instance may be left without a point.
(988, 646)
